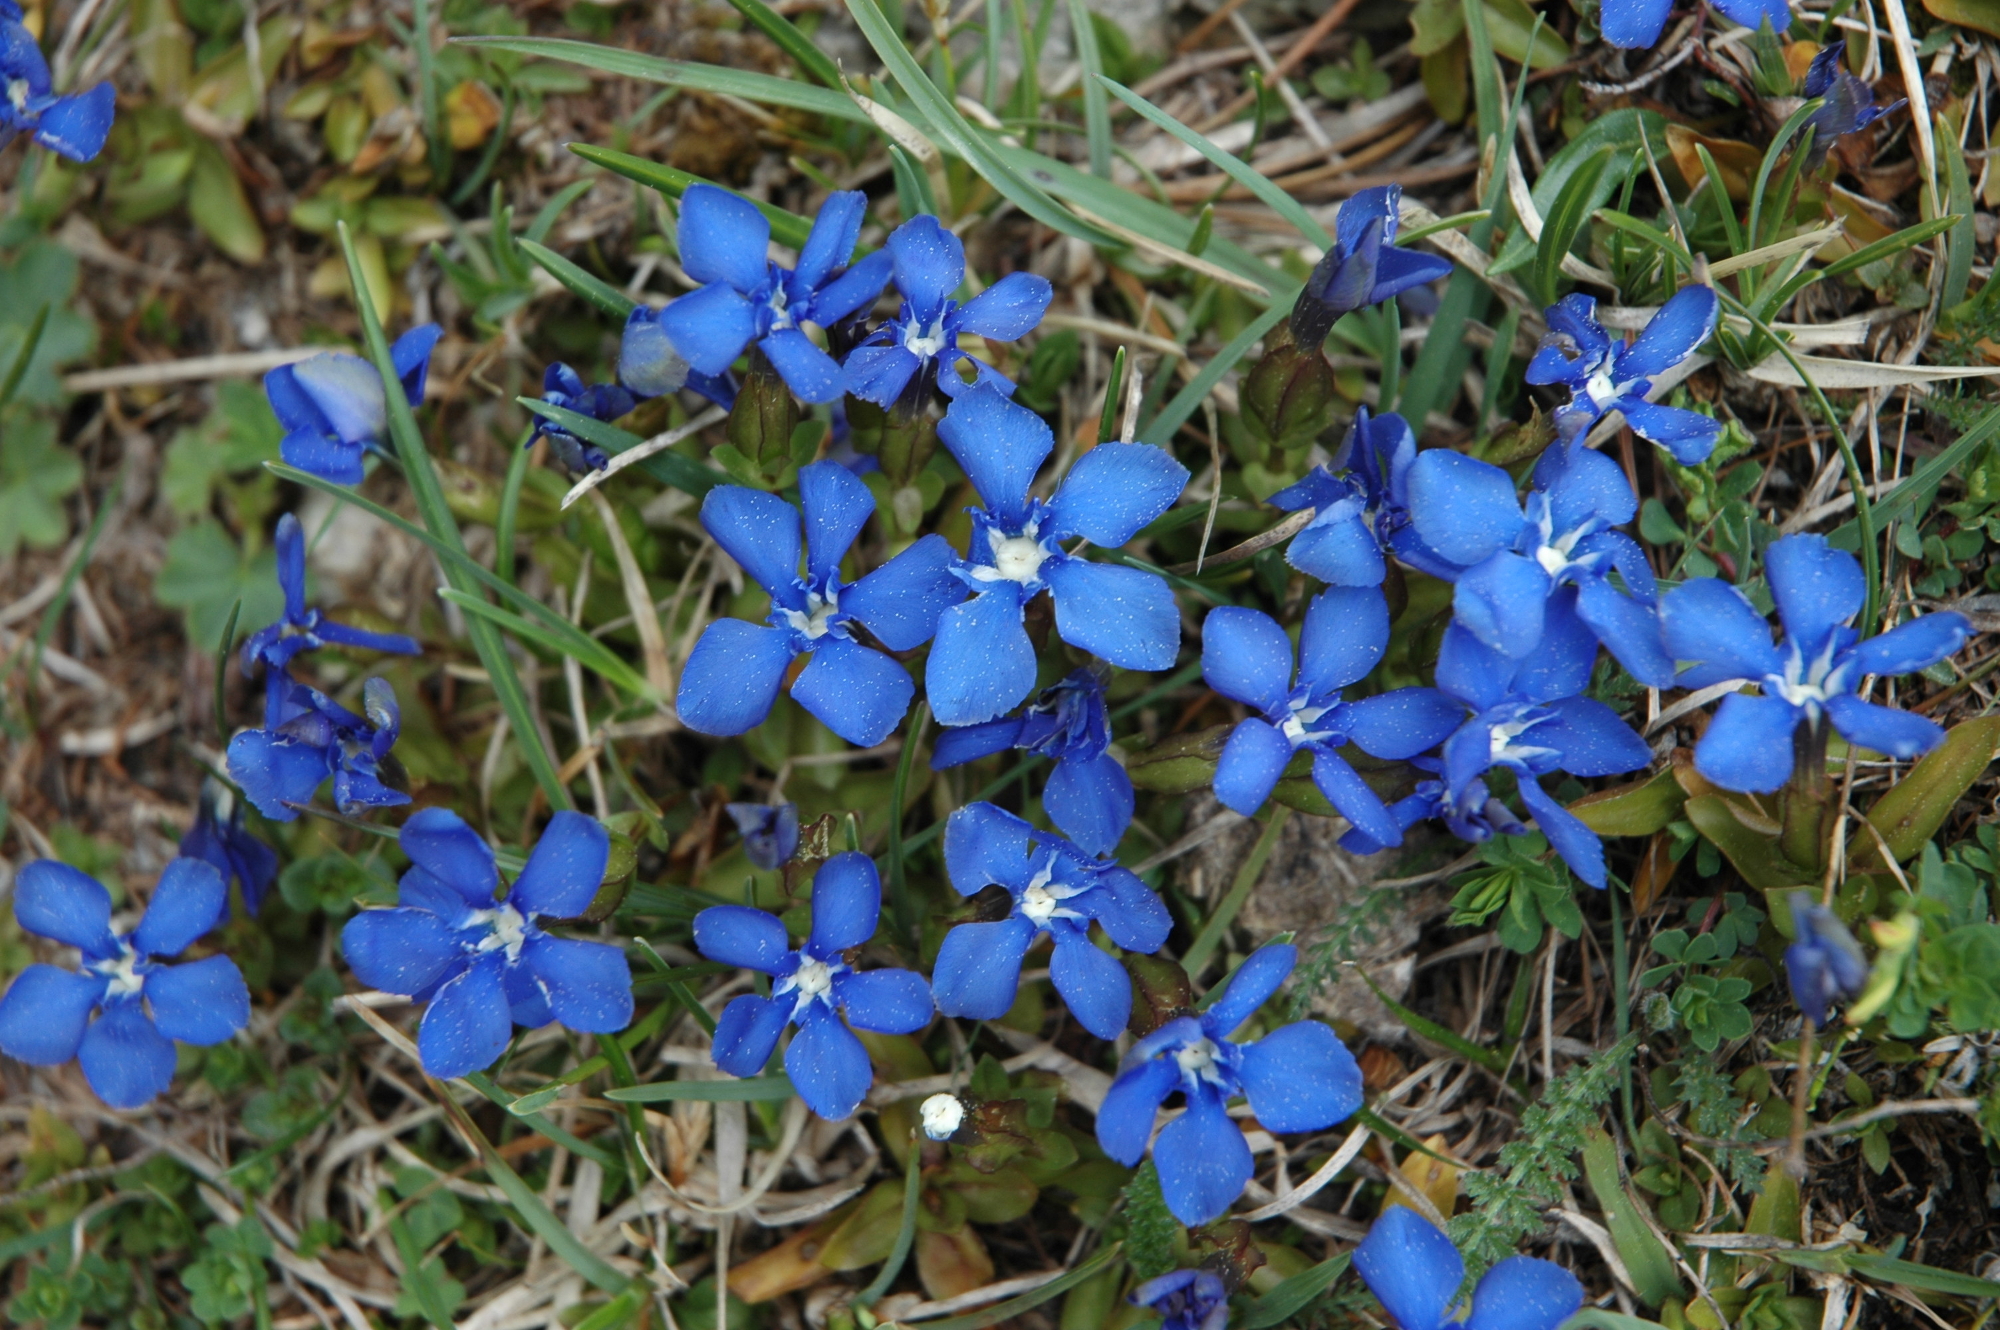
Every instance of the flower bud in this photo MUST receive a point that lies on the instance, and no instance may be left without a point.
(1288, 397)
(942, 1115)
(761, 423)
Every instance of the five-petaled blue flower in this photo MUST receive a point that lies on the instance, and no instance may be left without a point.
(304, 629)
(563, 387)
(918, 349)
(815, 983)
(484, 962)
(1057, 889)
(126, 1054)
(74, 126)
(334, 409)
(1516, 556)
(770, 832)
(1088, 795)
(1850, 104)
(307, 736)
(1363, 267)
(725, 244)
(1526, 717)
(1412, 1268)
(219, 837)
(1824, 962)
(1246, 656)
(1185, 1300)
(734, 673)
(1603, 374)
(1711, 626)
(1364, 513)
(983, 664)
(1299, 1077)
(1636, 24)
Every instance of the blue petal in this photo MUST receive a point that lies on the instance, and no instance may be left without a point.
(1575, 345)
(1000, 445)
(930, 264)
(67, 905)
(855, 691)
(732, 676)
(1125, 1120)
(1467, 755)
(648, 364)
(1469, 670)
(189, 900)
(1346, 631)
(1630, 630)
(1589, 485)
(1752, 13)
(1203, 1160)
(1397, 270)
(1246, 656)
(203, 1002)
(724, 238)
(1359, 215)
(978, 969)
(1113, 491)
(1748, 746)
(747, 1032)
(467, 1025)
(348, 391)
(289, 544)
(901, 601)
(1252, 761)
(709, 327)
(1008, 309)
(1250, 988)
(985, 844)
(1463, 508)
(1524, 1293)
(410, 357)
(1403, 723)
(1094, 987)
(878, 373)
(969, 743)
(1091, 801)
(828, 1065)
(837, 505)
(761, 532)
(1890, 732)
(295, 410)
(1912, 646)
(1339, 549)
(830, 243)
(811, 374)
(527, 1005)
(588, 984)
(399, 951)
(1575, 842)
(1817, 588)
(275, 772)
(1354, 798)
(1126, 615)
(339, 634)
(76, 126)
(1710, 625)
(1689, 435)
(1130, 912)
(1671, 336)
(739, 935)
(1632, 24)
(1591, 737)
(982, 663)
(1502, 602)
(853, 290)
(324, 456)
(42, 1017)
(440, 842)
(125, 1057)
(846, 904)
(885, 1001)
(565, 869)
(1300, 1077)
(1560, 666)
(1411, 1268)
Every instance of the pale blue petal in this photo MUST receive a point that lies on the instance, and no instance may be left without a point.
(1345, 633)
(1300, 1077)
(901, 601)
(1912, 646)
(982, 663)
(1892, 733)
(65, 904)
(1094, 987)
(885, 1001)
(978, 969)
(1252, 761)
(1113, 491)
(1411, 1268)
(126, 1059)
(1125, 1120)
(724, 238)
(1125, 615)
(761, 532)
(1008, 309)
(348, 391)
(828, 1066)
(203, 1002)
(732, 677)
(588, 984)
(648, 363)
(467, 1025)
(1463, 508)
(1403, 723)
(846, 904)
(1260, 975)
(1000, 445)
(739, 935)
(1203, 1160)
(1246, 657)
(43, 1015)
(747, 1032)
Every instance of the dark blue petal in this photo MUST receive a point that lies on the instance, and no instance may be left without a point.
(1630, 629)
(1589, 485)
(828, 1065)
(67, 905)
(1008, 309)
(324, 456)
(1346, 631)
(1708, 624)
(1817, 588)
(901, 601)
(1250, 988)
(739, 935)
(565, 869)
(759, 531)
(1463, 508)
(724, 238)
(1591, 737)
(399, 951)
(1400, 724)
(1362, 213)
(1091, 801)
(1748, 746)
(441, 843)
(289, 544)
(1094, 987)
(1912, 646)
(1502, 601)
(467, 1025)
(1671, 336)
(770, 833)
(930, 264)
(1125, 1120)
(837, 505)
(1524, 1293)
(1252, 761)
(1689, 435)
(203, 1002)
(1575, 842)
(811, 374)
(968, 743)
(878, 373)
(295, 410)
(846, 904)
(853, 290)
(1300, 1077)
(982, 663)
(1131, 913)
(1397, 270)
(1576, 343)
(275, 771)
(985, 844)
(1819, 74)
(1203, 1160)
(42, 1017)
(855, 691)
(588, 984)
(709, 327)
(189, 900)
(1890, 732)
(747, 1032)
(339, 634)
(1113, 491)
(885, 1001)
(410, 357)
(1467, 755)
(732, 677)
(1632, 25)
(1338, 549)
(1125, 615)
(1000, 445)
(1469, 670)
(978, 969)
(1246, 656)
(125, 1057)
(1410, 1266)
(1353, 796)
(76, 126)
(830, 243)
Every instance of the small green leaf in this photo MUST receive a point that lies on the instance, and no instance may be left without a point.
(206, 573)
(1292, 1296)
(36, 475)
(1910, 813)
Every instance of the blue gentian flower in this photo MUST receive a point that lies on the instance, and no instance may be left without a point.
(1057, 889)
(1185, 1300)
(1299, 1077)
(649, 366)
(770, 832)
(725, 244)
(1088, 796)
(563, 387)
(1824, 962)
(484, 963)
(1363, 267)
(127, 1053)
(1472, 815)
(1360, 515)
(1412, 1268)
(983, 663)
(1606, 375)
(74, 126)
(1637, 24)
(1246, 657)
(1526, 717)
(307, 736)
(815, 984)
(1816, 672)
(218, 837)
(1516, 556)
(918, 348)
(733, 675)
(1850, 103)
(333, 407)
(302, 628)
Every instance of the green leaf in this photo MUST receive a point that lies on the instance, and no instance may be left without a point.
(217, 204)
(1958, 203)
(1890, 1270)
(718, 79)
(239, 435)
(1564, 221)
(1645, 1259)
(1096, 111)
(1638, 809)
(754, 1089)
(427, 1290)
(790, 40)
(1619, 131)
(206, 573)
(42, 273)
(1012, 1307)
(1152, 1234)
(1596, 1318)
(599, 293)
(787, 228)
(668, 467)
(1910, 813)
(1755, 855)
(36, 475)
(1292, 1296)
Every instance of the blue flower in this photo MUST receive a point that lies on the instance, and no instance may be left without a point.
(1358, 516)
(1415, 1272)
(485, 963)
(1515, 557)
(1088, 796)
(1472, 815)
(815, 984)
(1299, 1077)
(983, 663)
(770, 833)
(127, 1054)
(1605, 375)
(1850, 103)
(734, 673)
(1056, 889)
(74, 126)
(218, 837)
(1636, 24)
(1815, 673)
(563, 387)
(333, 407)
(1363, 267)
(1526, 717)
(725, 244)
(918, 349)
(303, 629)
(1185, 1300)
(1247, 658)
(307, 736)
(649, 366)
(1824, 961)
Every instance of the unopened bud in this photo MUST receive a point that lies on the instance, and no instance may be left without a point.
(942, 1115)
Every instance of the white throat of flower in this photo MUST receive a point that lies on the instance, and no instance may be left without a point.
(1015, 558)
(781, 314)
(506, 930)
(812, 981)
(1043, 899)
(1200, 1061)
(1501, 739)
(1553, 554)
(1297, 727)
(122, 971)
(1808, 686)
(813, 620)
(18, 93)
(924, 342)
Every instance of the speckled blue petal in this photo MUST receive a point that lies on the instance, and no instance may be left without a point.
(901, 601)
(1817, 588)
(65, 904)
(441, 843)
(1000, 445)
(1093, 986)
(203, 1002)
(732, 677)
(978, 968)
(1575, 842)
(1892, 733)
(1125, 615)
(855, 691)
(1463, 508)
(467, 1025)
(828, 1065)
(1203, 1160)
(400, 951)
(747, 1032)
(1300, 1077)
(588, 984)
(1114, 490)
(1524, 1293)
(1125, 1121)
(43, 1015)
(739, 935)
(724, 238)
(846, 904)
(885, 1001)
(1246, 656)
(1345, 633)
(126, 1059)
(1708, 625)
(1411, 1268)
(1403, 722)
(985, 844)
(1252, 761)
(565, 868)
(1912, 646)
(981, 664)
(1250, 988)
(1748, 745)
(1091, 801)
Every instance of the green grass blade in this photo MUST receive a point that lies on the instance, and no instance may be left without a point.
(751, 1090)
(1290, 1298)
(1565, 220)
(430, 1298)
(790, 40)
(597, 658)
(427, 90)
(1161, 428)
(1755, 230)
(1096, 109)
(589, 287)
(787, 228)
(1217, 925)
(764, 88)
(29, 344)
(906, 1231)
(1959, 248)
(545, 220)
(1012, 1307)
(669, 467)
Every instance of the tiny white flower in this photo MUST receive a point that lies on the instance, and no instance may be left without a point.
(942, 1114)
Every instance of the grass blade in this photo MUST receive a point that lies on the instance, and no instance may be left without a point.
(752, 87)
(1161, 428)
(1217, 925)
(787, 228)
(1291, 1297)
(789, 39)
(1559, 229)
(1096, 109)
(669, 467)
(750, 1090)
(598, 292)
(1012, 1307)
(29, 344)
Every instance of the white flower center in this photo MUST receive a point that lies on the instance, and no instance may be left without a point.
(1501, 739)
(1295, 727)
(1197, 1062)
(781, 315)
(1018, 558)
(1806, 686)
(819, 609)
(1601, 390)
(18, 93)
(1043, 899)
(941, 1114)
(507, 929)
(924, 342)
(812, 981)
(123, 973)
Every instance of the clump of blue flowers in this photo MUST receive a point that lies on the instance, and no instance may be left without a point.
(1607, 374)
(1636, 24)
(1415, 1272)
(333, 407)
